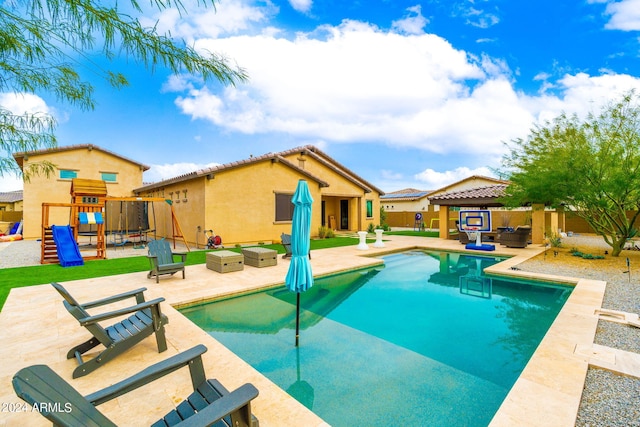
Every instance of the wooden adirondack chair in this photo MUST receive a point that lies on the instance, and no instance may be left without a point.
(209, 403)
(145, 319)
(162, 259)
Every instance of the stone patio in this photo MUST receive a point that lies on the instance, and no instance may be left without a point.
(36, 329)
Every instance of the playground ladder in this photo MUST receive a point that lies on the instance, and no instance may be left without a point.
(48, 250)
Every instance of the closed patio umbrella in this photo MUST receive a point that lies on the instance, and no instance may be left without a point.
(299, 277)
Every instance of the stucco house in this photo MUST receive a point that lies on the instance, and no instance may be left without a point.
(249, 200)
(10, 209)
(406, 200)
(11, 201)
(88, 161)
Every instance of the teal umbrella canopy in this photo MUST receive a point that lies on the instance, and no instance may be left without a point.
(300, 277)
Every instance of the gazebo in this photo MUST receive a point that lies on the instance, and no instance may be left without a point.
(489, 196)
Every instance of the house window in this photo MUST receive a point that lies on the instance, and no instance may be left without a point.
(284, 207)
(109, 176)
(68, 174)
(369, 208)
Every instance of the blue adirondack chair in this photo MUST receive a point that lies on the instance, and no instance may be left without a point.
(144, 319)
(162, 259)
(209, 404)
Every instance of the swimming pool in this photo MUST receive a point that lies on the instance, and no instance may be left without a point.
(425, 340)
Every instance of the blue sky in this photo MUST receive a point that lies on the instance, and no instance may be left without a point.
(404, 93)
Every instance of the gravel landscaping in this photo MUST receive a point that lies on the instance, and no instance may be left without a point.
(608, 399)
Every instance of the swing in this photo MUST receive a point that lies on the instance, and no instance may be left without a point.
(139, 221)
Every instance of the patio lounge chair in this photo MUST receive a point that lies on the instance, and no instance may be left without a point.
(162, 261)
(286, 242)
(145, 319)
(60, 403)
(518, 238)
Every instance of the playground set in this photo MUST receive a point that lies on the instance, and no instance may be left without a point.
(91, 213)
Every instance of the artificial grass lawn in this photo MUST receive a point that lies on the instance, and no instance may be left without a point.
(40, 274)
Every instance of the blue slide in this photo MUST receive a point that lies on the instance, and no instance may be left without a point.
(68, 251)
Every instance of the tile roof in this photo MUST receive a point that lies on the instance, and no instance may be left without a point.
(491, 180)
(328, 161)
(228, 166)
(486, 192)
(274, 157)
(22, 154)
(11, 196)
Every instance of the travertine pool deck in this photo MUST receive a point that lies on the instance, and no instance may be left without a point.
(36, 329)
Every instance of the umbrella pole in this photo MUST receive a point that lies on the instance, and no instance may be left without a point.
(297, 317)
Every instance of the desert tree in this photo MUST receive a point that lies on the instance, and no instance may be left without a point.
(44, 43)
(591, 166)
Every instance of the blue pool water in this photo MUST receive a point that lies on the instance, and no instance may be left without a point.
(425, 340)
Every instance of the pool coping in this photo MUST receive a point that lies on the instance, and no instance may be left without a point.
(38, 330)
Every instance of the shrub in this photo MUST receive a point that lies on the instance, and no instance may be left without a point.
(322, 232)
(555, 240)
(371, 228)
(587, 256)
(330, 234)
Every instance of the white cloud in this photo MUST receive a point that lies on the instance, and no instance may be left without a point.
(171, 170)
(301, 5)
(201, 104)
(10, 183)
(581, 94)
(18, 104)
(483, 20)
(355, 83)
(435, 180)
(413, 23)
(476, 16)
(625, 15)
(179, 83)
(228, 17)
(21, 103)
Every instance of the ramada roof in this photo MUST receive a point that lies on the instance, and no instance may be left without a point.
(481, 196)
(11, 196)
(279, 157)
(21, 155)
